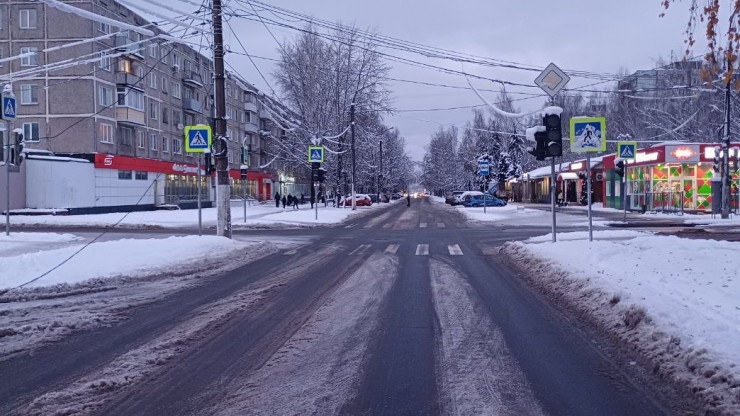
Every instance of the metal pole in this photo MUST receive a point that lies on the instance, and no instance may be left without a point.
(588, 189)
(223, 190)
(7, 178)
(316, 201)
(726, 158)
(380, 175)
(485, 191)
(352, 126)
(553, 180)
(623, 182)
(200, 216)
(244, 185)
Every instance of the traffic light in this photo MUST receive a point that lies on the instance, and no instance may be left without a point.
(18, 149)
(209, 168)
(243, 174)
(619, 168)
(716, 165)
(321, 174)
(554, 143)
(540, 149)
(315, 171)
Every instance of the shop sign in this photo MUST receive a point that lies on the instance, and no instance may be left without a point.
(576, 166)
(644, 157)
(103, 161)
(683, 153)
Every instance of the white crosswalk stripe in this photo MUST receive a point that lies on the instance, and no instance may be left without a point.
(392, 249)
(290, 252)
(455, 250)
(422, 250)
(441, 225)
(423, 225)
(360, 249)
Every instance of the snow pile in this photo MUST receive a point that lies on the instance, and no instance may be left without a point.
(128, 257)
(675, 300)
(37, 238)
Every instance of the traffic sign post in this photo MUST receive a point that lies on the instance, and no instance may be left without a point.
(626, 150)
(316, 154)
(484, 169)
(588, 134)
(8, 114)
(198, 138)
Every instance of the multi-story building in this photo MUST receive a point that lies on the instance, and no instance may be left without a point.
(120, 101)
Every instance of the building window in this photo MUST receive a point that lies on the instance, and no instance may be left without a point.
(142, 176)
(165, 115)
(153, 80)
(175, 61)
(163, 54)
(31, 132)
(28, 19)
(29, 94)
(229, 113)
(105, 96)
(187, 66)
(124, 65)
(165, 145)
(164, 85)
(140, 140)
(152, 141)
(29, 60)
(153, 110)
(106, 133)
(177, 146)
(140, 72)
(128, 97)
(153, 50)
(103, 27)
(176, 90)
(104, 62)
(125, 136)
(176, 118)
(228, 90)
(124, 175)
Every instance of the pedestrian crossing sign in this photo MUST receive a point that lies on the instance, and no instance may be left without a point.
(316, 154)
(8, 108)
(626, 150)
(198, 138)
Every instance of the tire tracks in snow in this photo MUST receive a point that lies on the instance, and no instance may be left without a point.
(476, 373)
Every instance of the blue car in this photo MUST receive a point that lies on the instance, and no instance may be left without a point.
(479, 200)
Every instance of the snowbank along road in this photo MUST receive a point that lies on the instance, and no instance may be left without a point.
(404, 311)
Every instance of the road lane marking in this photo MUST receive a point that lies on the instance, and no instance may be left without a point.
(360, 249)
(423, 225)
(290, 252)
(455, 250)
(350, 226)
(392, 249)
(422, 250)
(441, 225)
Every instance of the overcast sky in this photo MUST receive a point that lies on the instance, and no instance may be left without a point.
(585, 35)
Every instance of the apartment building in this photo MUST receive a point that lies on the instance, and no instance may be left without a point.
(120, 101)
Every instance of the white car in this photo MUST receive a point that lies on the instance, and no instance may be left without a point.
(460, 198)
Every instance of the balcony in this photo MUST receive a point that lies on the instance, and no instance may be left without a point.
(130, 116)
(251, 128)
(193, 79)
(265, 114)
(190, 105)
(250, 106)
(127, 78)
(123, 44)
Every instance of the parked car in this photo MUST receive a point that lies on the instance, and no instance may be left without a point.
(480, 200)
(461, 198)
(451, 197)
(396, 195)
(362, 200)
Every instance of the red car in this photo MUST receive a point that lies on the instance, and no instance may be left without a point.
(362, 200)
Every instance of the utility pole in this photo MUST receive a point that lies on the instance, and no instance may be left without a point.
(223, 190)
(726, 158)
(380, 175)
(354, 162)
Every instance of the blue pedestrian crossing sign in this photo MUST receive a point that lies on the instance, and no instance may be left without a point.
(198, 138)
(626, 150)
(484, 168)
(316, 154)
(8, 107)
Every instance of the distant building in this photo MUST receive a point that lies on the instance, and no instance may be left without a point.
(121, 102)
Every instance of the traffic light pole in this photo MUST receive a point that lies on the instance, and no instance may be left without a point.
(223, 189)
(726, 158)
(588, 189)
(200, 213)
(7, 178)
(553, 182)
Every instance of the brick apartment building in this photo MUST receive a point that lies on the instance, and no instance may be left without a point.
(107, 132)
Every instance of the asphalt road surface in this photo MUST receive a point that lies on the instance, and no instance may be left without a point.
(408, 311)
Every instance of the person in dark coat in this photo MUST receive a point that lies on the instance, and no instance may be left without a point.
(408, 199)
(277, 199)
(285, 200)
(312, 201)
(303, 199)
(295, 202)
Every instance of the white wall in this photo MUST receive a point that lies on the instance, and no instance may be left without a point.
(111, 191)
(59, 183)
(17, 187)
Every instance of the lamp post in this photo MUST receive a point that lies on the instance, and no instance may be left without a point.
(354, 164)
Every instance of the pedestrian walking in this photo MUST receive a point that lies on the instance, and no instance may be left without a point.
(277, 199)
(295, 202)
(408, 199)
(303, 198)
(312, 201)
(285, 200)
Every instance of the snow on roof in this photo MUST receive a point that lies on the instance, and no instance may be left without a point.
(57, 158)
(546, 170)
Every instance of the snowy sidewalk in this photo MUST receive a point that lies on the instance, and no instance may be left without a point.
(675, 298)
(257, 216)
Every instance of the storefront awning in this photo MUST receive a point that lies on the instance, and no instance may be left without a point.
(567, 176)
